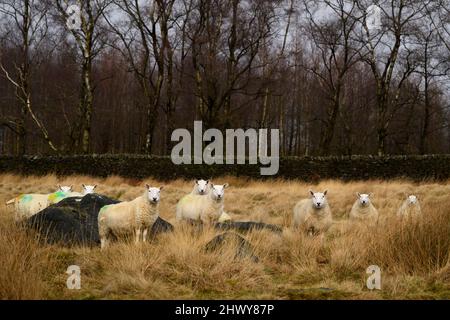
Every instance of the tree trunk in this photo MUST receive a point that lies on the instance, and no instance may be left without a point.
(328, 135)
(231, 64)
(151, 116)
(263, 123)
(426, 117)
(86, 106)
(21, 141)
(382, 96)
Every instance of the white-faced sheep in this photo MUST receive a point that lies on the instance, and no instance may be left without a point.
(207, 209)
(61, 193)
(66, 192)
(27, 205)
(313, 214)
(66, 189)
(87, 189)
(410, 207)
(363, 209)
(201, 187)
(124, 218)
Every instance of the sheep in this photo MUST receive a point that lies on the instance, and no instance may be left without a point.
(410, 208)
(59, 195)
(87, 189)
(65, 189)
(363, 209)
(313, 214)
(126, 217)
(201, 187)
(27, 205)
(208, 209)
(66, 192)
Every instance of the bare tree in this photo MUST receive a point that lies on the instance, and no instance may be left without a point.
(431, 68)
(225, 38)
(332, 38)
(134, 70)
(146, 31)
(382, 52)
(30, 20)
(89, 41)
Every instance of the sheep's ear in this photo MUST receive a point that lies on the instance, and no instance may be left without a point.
(325, 192)
(95, 186)
(370, 194)
(58, 186)
(196, 181)
(147, 186)
(71, 186)
(162, 187)
(311, 192)
(225, 185)
(358, 195)
(207, 181)
(212, 185)
(84, 187)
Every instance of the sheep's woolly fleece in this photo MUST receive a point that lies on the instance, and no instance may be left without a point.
(207, 208)
(313, 214)
(123, 218)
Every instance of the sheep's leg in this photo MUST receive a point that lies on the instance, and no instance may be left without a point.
(103, 243)
(322, 239)
(144, 234)
(138, 235)
(207, 221)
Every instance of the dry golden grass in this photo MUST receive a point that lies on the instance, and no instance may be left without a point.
(414, 256)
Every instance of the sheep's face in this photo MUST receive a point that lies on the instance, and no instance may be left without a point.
(153, 194)
(202, 186)
(319, 199)
(88, 189)
(364, 199)
(218, 191)
(65, 188)
(412, 200)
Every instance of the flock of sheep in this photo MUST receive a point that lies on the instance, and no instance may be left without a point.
(314, 214)
(205, 203)
(27, 205)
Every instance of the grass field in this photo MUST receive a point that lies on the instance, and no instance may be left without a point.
(414, 257)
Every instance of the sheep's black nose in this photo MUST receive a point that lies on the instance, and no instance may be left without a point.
(154, 199)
